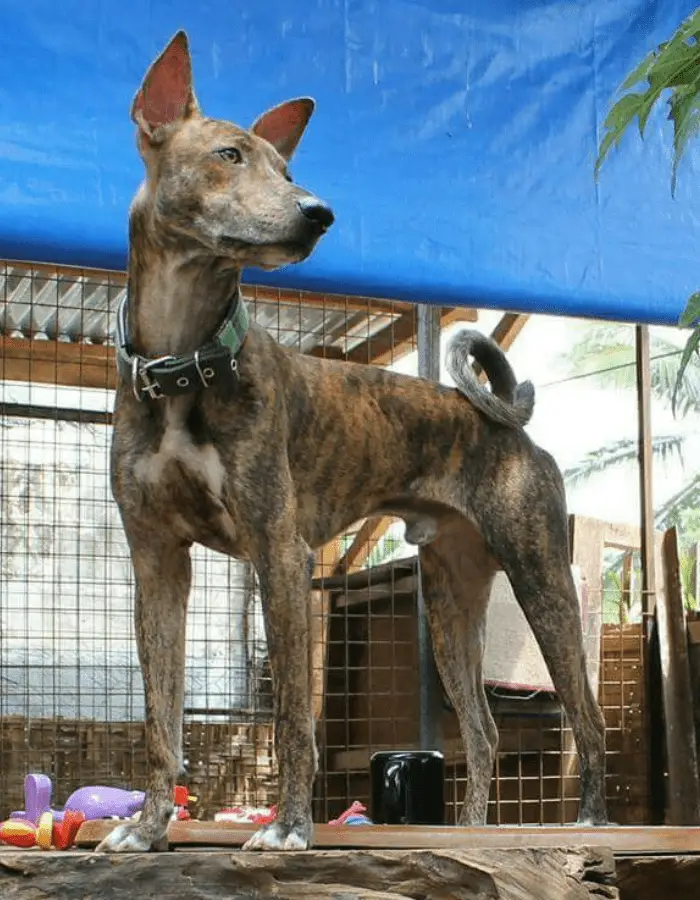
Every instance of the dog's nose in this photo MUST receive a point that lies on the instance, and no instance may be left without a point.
(317, 211)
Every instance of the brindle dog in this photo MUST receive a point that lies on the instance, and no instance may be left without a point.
(225, 438)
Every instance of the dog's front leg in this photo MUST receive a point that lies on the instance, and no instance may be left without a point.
(284, 568)
(163, 575)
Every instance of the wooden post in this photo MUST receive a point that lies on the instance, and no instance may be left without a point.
(645, 466)
(430, 703)
(652, 687)
(684, 791)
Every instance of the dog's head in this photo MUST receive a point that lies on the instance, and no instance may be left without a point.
(215, 187)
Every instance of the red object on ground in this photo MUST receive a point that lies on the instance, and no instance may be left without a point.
(65, 832)
(18, 833)
(356, 809)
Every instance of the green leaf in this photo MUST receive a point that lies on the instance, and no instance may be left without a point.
(684, 112)
(623, 112)
(674, 65)
(690, 348)
(691, 313)
(641, 72)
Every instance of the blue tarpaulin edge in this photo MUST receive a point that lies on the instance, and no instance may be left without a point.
(454, 140)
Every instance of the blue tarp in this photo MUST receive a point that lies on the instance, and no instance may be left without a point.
(455, 141)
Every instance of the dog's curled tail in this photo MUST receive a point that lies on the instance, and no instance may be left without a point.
(508, 402)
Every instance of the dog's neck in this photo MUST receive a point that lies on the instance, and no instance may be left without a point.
(177, 300)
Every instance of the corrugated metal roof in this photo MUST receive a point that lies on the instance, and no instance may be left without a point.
(77, 306)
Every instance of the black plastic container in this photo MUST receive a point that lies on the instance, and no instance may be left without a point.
(408, 787)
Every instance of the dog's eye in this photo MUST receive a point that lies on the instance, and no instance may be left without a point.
(288, 176)
(230, 154)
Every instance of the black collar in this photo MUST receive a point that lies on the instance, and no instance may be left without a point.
(173, 376)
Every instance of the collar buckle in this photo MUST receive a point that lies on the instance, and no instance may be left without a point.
(140, 369)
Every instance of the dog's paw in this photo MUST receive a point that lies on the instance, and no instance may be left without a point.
(132, 837)
(280, 837)
(594, 822)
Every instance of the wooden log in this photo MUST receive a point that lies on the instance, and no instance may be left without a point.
(694, 660)
(657, 877)
(555, 874)
(684, 790)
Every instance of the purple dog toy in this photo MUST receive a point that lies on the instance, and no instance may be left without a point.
(97, 802)
(37, 799)
(101, 802)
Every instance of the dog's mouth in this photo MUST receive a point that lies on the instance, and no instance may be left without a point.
(265, 256)
(271, 254)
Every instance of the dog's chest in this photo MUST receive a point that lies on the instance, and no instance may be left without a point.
(179, 458)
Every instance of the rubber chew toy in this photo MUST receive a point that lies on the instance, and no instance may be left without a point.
(44, 830)
(37, 798)
(354, 815)
(18, 833)
(64, 833)
(100, 802)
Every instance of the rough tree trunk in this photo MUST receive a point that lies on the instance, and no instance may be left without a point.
(581, 874)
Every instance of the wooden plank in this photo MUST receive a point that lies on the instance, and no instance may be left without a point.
(326, 560)
(649, 561)
(553, 874)
(368, 536)
(694, 632)
(684, 790)
(586, 543)
(504, 334)
(619, 839)
(56, 362)
(621, 536)
(508, 329)
(407, 586)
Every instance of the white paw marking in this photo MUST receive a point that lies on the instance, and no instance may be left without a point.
(274, 837)
(124, 840)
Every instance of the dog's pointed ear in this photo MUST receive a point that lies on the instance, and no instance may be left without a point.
(166, 95)
(283, 125)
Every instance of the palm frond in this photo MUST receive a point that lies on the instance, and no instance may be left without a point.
(620, 453)
(606, 355)
(688, 497)
(683, 376)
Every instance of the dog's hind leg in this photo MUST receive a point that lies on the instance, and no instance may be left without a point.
(528, 524)
(284, 564)
(456, 576)
(547, 594)
(163, 574)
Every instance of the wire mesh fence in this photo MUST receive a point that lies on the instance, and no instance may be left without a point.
(372, 704)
